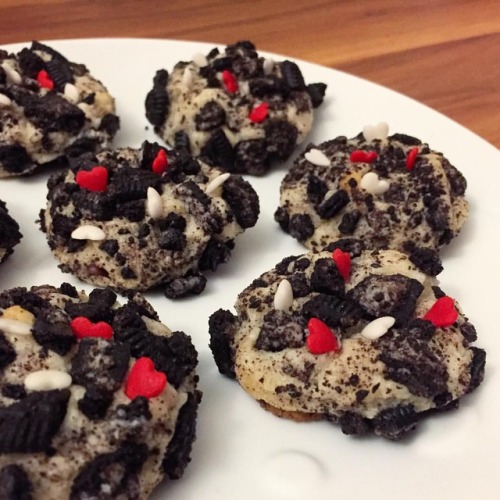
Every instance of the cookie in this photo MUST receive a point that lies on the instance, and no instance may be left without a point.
(391, 192)
(50, 108)
(134, 219)
(10, 235)
(360, 338)
(97, 399)
(242, 110)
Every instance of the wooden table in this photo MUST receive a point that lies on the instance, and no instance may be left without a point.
(444, 53)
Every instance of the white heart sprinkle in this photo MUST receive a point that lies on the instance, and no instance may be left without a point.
(283, 298)
(47, 380)
(200, 60)
(215, 183)
(371, 183)
(88, 232)
(187, 77)
(377, 327)
(268, 66)
(155, 205)
(4, 100)
(379, 131)
(71, 93)
(14, 327)
(11, 73)
(317, 157)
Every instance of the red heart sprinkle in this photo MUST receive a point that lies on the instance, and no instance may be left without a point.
(44, 80)
(363, 156)
(321, 339)
(230, 81)
(343, 261)
(144, 380)
(82, 327)
(411, 158)
(442, 313)
(93, 180)
(259, 113)
(160, 163)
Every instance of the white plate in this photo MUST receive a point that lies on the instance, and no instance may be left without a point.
(242, 451)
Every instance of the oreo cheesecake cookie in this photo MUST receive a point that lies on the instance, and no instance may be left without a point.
(135, 219)
(10, 235)
(97, 399)
(240, 109)
(364, 339)
(50, 108)
(391, 192)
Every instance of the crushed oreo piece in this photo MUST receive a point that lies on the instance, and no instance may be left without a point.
(219, 150)
(174, 355)
(222, 327)
(395, 423)
(333, 204)
(100, 364)
(30, 424)
(281, 330)
(157, 101)
(7, 351)
(178, 453)
(242, 199)
(52, 330)
(216, 252)
(388, 295)
(281, 138)
(410, 361)
(300, 226)
(251, 157)
(189, 284)
(316, 92)
(476, 368)
(292, 75)
(333, 310)
(15, 483)
(210, 116)
(117, 470)
(326, 278)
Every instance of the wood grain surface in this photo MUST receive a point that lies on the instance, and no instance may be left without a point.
(444, 53)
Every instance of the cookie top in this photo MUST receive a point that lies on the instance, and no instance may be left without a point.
(10, 235)
(97, 399)
(49, 107)
(392, 192)
(238, 108)
(138, 218)
(362, 338)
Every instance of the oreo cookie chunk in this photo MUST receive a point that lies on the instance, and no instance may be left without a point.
(10, 235)
(361, 338)
(97, 399)
(134, 219)
(50, 108)
(391, 192)
(241, 110)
